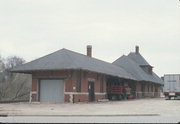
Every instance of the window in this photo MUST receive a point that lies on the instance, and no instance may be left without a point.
(150, 70)
(147, 69)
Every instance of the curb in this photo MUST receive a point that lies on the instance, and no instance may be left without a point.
(115, 115)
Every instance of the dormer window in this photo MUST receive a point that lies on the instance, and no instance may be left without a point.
(150, 70)
(147, 68)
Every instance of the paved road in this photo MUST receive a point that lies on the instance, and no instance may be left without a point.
(133, 107)
(139, 111)
(91, 119)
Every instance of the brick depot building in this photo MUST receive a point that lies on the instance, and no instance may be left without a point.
(67, 76)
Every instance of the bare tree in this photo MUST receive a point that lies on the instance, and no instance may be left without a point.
(2, 65)
(13, 86)
(20, 87)
(11, 62)
(2, 68)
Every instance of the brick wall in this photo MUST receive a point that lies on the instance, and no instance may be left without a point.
(70, 81)
(138, 90)
(147, 93)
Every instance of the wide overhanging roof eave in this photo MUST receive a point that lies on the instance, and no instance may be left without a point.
(31, 71)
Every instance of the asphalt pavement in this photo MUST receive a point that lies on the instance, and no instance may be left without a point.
(91, 119)
(153, 110)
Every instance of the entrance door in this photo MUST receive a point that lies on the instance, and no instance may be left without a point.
(91, 91)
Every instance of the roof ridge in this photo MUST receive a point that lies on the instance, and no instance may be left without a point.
(68, 59)
(92, 58)
(88, 56)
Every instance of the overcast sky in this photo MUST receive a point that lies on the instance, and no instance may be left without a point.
(34, 28)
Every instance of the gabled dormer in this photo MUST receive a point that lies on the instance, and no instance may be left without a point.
(136, 56)
(147, 68)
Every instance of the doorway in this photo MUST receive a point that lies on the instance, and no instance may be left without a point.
(91, 91)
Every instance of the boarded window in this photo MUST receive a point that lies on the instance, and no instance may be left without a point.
(78, 81)
(147, 69)
(156, 88)
(143, 89)
(148, 87)
(151, 87)
(102, 84)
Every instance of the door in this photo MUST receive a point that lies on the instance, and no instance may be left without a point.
(51, 91)
(91, 91)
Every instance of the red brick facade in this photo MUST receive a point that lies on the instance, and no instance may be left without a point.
(150, 90)
(70, 80)
(74, 94)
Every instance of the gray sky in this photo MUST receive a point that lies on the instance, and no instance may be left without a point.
(34, 28)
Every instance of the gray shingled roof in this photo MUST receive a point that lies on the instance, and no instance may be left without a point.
(133, 67)
(138, 58)
(66, 59)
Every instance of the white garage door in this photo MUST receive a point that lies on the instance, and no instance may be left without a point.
(52, 91)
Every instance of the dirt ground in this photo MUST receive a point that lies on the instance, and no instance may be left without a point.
(154, 106)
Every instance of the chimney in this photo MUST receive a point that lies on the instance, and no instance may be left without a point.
(89, 50)
(137, 50)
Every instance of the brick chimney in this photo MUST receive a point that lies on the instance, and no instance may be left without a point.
(137, 50)
(89, 50)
